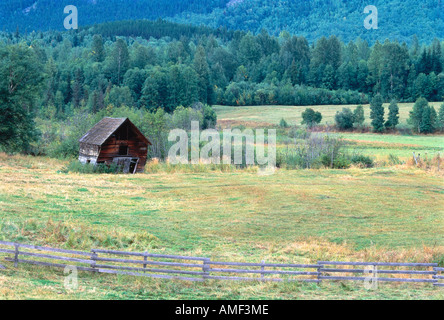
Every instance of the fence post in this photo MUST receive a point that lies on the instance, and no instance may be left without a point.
(206, 268)
(262, 269)
(144, 259)
(16, 245)
(435, 275)
(321, 266)
(94, 256)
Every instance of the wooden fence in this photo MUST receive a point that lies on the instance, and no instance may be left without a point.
(189, 268)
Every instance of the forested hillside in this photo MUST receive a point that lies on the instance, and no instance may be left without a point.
(162, 67)
(398, 19)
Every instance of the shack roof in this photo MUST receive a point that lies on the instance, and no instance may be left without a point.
(105, 128)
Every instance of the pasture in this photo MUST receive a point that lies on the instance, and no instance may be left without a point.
(380, 146)
(381, 214)
(271, 115)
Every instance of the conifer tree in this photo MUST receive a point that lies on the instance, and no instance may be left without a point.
(377, 113)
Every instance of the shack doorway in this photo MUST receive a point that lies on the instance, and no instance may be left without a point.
(126, 164)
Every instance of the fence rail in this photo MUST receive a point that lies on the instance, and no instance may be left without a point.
(189, 268)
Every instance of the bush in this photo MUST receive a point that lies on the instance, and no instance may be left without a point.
(393, 160)
(314, 152)
(344, 119)
(78, 167)
(362, 160)
(299, 133)
(311, 117)
(283, 123)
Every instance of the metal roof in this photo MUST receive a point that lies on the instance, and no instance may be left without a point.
(105, 128)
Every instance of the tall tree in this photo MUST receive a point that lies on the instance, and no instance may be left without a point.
(118, 62)
(377, 113)
(203, 74)
(393, 116)
(358, 116)
(98, 50)
(21, 80)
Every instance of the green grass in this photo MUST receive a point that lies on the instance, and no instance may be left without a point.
(377, 145)
(400, 145)
(266, 115)
(382, 214)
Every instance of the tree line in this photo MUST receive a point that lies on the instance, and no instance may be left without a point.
(56, 74)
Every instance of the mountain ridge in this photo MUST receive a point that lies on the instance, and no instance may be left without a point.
(398, 20)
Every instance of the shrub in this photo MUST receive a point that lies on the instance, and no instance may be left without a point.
(283, 123)
(362, 160)
(393, 159)
(358, 116)
(78, 167)
(344, 119)
(299, 133)
(311, 117)
(316, 151)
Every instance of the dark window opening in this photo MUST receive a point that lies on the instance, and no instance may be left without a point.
(123, 150)
(88, 161)
(123, 133)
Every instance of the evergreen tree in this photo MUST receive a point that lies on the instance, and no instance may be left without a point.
(203, 74)
(21, 80)
(377, 113)
(417, 117)
(358, 116)
(118, 62)
(393, 116)
(426, 125)
(98, 51)
(440, 119)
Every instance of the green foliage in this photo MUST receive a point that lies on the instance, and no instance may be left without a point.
(358, 116)
(78, 167)
(423, 117)
(313, 151)
(21, 81)
(313, 20)
(440, 122)
(283, 123)
(393, 116)
(311, 117)
(362, 160)
(344, 119)
(377, 113)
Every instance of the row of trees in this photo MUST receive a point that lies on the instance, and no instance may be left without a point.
(423, 117)
(54, 75)
(86, 69)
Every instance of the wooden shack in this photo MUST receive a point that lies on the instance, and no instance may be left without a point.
(115, 140)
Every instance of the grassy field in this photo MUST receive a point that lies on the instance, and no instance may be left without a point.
(379, 146)
(402, 146)
(266, 115)
(383, 214)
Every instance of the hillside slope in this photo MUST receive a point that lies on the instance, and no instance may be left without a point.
(398, 19)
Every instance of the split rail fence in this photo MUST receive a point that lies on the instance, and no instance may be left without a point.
(189, 268)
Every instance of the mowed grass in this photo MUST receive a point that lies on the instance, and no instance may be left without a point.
(403, 146)
(291, 216)
(378, 145)
(266, 115)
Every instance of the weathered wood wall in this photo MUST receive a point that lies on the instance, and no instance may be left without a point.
(136, 149)
(110, 149)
